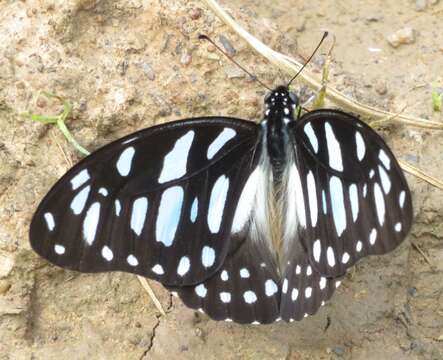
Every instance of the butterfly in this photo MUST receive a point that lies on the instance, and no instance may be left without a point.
(247, 222)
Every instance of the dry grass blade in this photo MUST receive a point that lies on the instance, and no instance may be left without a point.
(421, 175)
(291, 66)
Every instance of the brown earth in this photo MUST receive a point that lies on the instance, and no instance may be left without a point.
(129, 64)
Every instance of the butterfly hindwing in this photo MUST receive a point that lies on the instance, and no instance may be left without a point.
(246, 289)
(356, 201)
(158, 203)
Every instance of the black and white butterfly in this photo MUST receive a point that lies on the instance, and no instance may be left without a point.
(247, 222)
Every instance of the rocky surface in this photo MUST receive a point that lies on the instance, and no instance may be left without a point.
(128, 64)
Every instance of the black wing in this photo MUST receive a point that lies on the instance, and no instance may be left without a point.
(159, 203)
(355, 199)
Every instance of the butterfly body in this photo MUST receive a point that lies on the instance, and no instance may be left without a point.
(248, 222)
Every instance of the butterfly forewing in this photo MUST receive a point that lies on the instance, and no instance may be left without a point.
(159, 203)
(356, 199)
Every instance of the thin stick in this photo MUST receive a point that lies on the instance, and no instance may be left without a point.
(151, 294)
(292, 66)
(422, 253)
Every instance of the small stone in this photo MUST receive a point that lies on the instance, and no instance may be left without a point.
(185, 58)
(195, 13)
(5, 285)
(6, 265)
(227, 45)
(400, 37)
(381, 88)
(420, 5)
(374, 18)
(122, 66)
(149, 71)
(234, 72)
(301, 25)
(440, 338)
(339, 351)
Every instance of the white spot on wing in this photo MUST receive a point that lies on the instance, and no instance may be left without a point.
(294, 294)
(226, 135)
(79, 201)
(175, 162)
(103, 191)
(312, 196)
(225, 297)
(50, 223)
(325, 205)
(334, 150)
(384, 159)
(270, 287)
(360, 144)
(90, 223)
(345, 258)
(373, 236)
(249, 297)
(183, 266)
(124, 161)
(284, 287)
(217, 203)
(308, 292)
(138, 214)
(158, 269)
(385, 182)
(322, 283)
(79, 179)
(246, 202)
(359, 246)
(224, 275)
(168, 216)
(353, 197)
(331, 256)
(379, 204)
(194, 210)
(338, 204)
(401, 199)
(317, 250)
(59, 249)
(398, 227)
(107, 253)
(201, 290)
(132, 260)
(309, 131)
(118, 207)
(244, 273)
(208, 256)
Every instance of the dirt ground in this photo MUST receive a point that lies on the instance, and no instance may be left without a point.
(129, 64)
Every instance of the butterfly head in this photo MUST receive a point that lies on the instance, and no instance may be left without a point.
(281, 101)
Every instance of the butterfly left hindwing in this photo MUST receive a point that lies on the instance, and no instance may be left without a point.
(158, 203)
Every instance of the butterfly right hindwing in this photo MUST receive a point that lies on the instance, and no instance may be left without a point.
(157, 203)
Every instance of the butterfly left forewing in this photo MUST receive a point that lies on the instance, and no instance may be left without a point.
(356, 201)
(157, 203)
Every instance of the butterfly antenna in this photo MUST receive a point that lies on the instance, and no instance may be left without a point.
(307, 61)
(253, 77)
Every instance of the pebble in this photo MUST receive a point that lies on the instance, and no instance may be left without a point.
(402, 36)
(6, 265)
(227, 45)
(5, 285)
(195, 13)
(420, 5)
(185, 59)
(381, 88)
(339, 351)
(149, 71)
